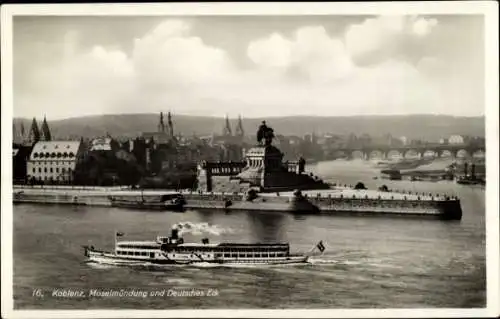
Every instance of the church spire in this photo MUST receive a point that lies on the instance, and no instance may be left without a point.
(23, 137)
(170, 125)
(46, 136)
(161, 125)
(18, 133)
(239, 128)
(34, 134)
(227, 128)
(15, 133)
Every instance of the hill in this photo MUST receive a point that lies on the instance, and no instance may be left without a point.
(426, 127)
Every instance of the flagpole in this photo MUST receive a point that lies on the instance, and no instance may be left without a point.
(316, 247)
(312, 249)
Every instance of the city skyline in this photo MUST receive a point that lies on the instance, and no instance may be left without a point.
(257, 66)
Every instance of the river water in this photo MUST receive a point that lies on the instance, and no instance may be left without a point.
(370, 262)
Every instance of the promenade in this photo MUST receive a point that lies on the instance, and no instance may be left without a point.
(340, 200)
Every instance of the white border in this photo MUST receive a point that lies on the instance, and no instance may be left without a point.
(488, 8)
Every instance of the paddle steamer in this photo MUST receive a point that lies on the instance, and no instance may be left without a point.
(173, 250)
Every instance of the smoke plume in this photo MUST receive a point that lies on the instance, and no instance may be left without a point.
(200, 228)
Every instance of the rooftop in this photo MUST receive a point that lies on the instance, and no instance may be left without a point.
(101, 144)
(55, 150)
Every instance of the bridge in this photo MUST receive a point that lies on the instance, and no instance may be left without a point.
(436, 149)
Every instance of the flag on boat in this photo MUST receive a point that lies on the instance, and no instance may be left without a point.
(119, 234)
(320, 246)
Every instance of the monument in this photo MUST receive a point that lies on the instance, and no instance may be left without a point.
(263, 169)
(265, 133)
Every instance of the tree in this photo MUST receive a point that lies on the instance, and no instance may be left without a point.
(383, 188)
(360, 185)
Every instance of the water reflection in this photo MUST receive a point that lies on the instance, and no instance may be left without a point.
(206, 216)
(267, 226)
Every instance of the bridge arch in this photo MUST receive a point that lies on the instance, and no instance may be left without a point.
(430, 153)
(357, 154)
(376, 154)
(412, 153)
(479, 153)
(340, 154)
(395, 154)
(462, 153)
(445, 153)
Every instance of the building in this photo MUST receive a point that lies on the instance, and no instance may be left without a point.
(53, 161)
(45, 134)
(34, 133)
(404, 140)
(239, 132)
(19, 134)
(103, 144)
(443, 141)
(456, 139)
(20, 157)
(164, 133)
(229, 146)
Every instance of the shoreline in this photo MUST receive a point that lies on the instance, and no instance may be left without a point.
(330, 202)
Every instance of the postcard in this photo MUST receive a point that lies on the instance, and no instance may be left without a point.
(250, 160)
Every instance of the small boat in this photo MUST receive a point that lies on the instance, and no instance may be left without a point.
(467, 180)
(391, 174)
(173, 250)
(174, 202)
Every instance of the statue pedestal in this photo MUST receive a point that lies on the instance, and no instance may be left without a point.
(262, 162)
(265, 169)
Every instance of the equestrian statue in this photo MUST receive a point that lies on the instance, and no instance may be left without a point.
(265, 134)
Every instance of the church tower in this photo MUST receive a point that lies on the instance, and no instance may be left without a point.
(227, 128)
(46, 136)
(239, 128)
(170, 126)
(22, 133)
(15, 133)
(34, 133)
(161, 125)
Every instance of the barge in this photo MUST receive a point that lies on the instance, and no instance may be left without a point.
(173, 202)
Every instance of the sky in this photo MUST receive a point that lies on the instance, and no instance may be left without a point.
(255, 66)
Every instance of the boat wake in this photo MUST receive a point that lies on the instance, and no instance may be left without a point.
(195, 265)
(323, 261)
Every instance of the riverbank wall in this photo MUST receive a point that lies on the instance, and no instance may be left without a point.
(335, 204)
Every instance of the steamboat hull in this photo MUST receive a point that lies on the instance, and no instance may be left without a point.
(109, 258)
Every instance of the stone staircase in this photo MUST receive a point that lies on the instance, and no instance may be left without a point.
(229, 185)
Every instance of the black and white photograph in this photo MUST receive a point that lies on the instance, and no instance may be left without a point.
(250, 160)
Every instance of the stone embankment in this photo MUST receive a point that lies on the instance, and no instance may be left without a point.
(337, 201)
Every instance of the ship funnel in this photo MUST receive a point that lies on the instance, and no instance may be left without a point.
(175, 233)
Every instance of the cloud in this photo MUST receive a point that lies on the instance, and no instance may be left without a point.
(422, 27)
(85, 83)
(384, 37)
(310, 53)
(273, 51)
(169, 55)
(309, 72)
